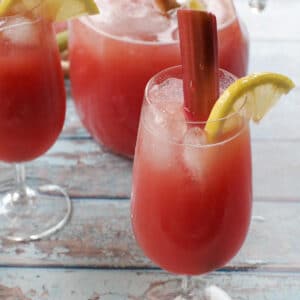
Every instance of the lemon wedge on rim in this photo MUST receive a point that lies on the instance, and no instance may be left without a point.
(54, 10)
(255, 93)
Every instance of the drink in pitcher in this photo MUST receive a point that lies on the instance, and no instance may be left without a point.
(113, 55)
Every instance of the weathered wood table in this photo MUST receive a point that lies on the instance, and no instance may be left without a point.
(95, 256)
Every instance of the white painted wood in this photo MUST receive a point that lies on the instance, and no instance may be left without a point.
(85, 170)
(279, 21)
(99, 235)
(99, 238)
(81, 284)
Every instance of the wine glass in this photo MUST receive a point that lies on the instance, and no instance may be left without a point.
(32, 113)
(191, 196)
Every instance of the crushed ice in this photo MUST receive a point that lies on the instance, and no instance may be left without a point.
(21, 31)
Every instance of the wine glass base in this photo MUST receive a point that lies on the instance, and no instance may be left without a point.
(174, 290)
(185, 289)
(40, 210)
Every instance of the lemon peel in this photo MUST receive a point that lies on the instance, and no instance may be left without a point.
(255, 93)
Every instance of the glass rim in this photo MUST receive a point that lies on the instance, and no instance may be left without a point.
(87, 21)
(215, 143)
(151, 81)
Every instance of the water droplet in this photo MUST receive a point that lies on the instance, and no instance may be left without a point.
(257, 5)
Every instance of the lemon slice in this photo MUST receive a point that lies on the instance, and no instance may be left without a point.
(256, 93)
(196, 4)
(55, 10)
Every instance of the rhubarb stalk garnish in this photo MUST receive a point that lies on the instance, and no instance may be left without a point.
(166, 5)
(199, 55)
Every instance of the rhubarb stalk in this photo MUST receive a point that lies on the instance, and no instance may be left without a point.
(199, 54)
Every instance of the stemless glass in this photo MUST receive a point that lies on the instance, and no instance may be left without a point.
(32, 113)
(191, 197)
(113, 55)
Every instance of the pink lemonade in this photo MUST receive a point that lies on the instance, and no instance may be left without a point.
(191, 199)
(113, 55)
(32, 95)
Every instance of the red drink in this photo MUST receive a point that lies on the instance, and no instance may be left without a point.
(114, 55)
(60, 26)
(32, 95)
(191, 200)
(32, 113)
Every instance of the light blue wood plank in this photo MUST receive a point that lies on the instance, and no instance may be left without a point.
(85, 170)
(53, 284)
(99, 235)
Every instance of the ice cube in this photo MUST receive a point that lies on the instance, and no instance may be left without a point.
(137, 20)
(194, 154)
(3, 22)
(195, 136)
(223, 10)
(133, 9)
(226, 79)
(169, 90)
(21, 32)
(167, 120)
(166, 109)
(163, 117)
(162, 134)
(151, 141)
(170, 32)
(120, 11)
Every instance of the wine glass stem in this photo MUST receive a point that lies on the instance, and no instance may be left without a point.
(20, 178)
(185, 285)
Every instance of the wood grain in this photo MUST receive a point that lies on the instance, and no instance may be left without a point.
(95, 256)
(85, 170)
(81, 284)
(99, 235)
